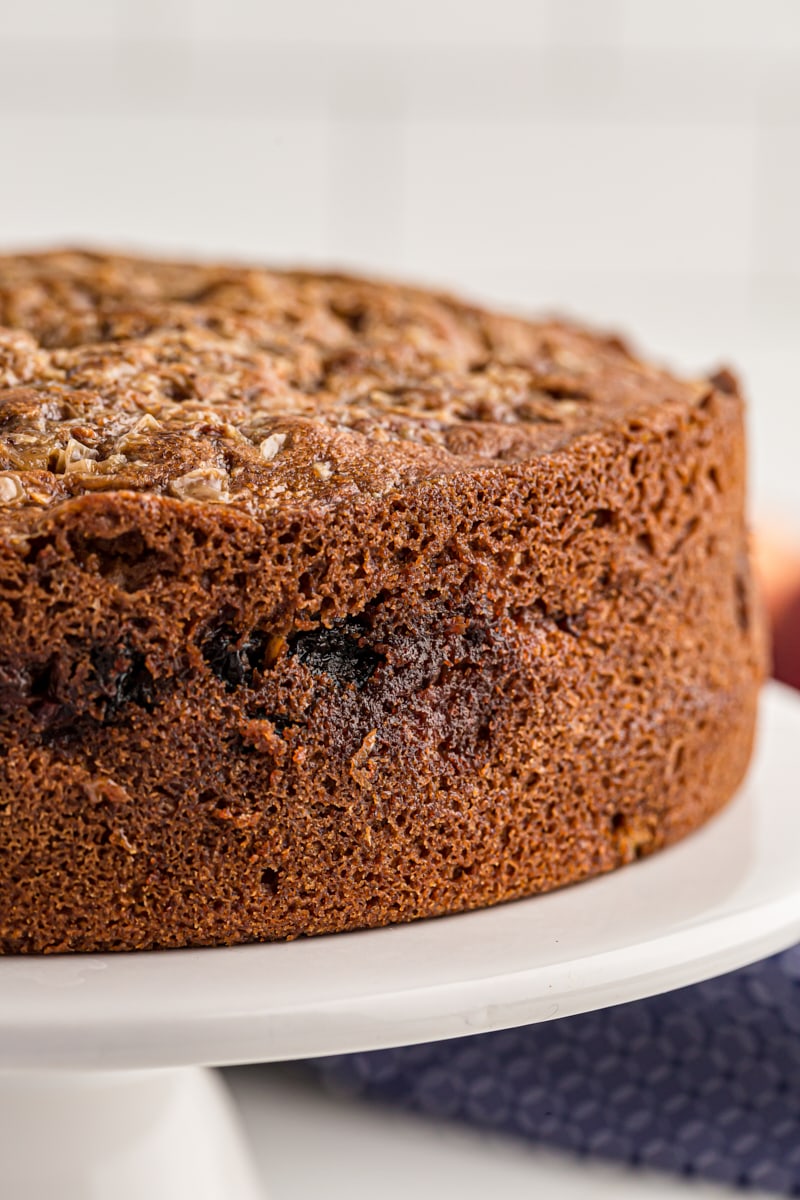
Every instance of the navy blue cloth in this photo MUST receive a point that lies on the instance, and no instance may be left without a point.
(704, 1081)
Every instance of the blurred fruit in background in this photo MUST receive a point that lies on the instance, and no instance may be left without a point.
(777, 555)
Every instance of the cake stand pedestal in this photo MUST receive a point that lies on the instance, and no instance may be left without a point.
(130, 1135)
(101, 1092)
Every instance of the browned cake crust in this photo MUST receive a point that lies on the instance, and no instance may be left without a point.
(327, 603)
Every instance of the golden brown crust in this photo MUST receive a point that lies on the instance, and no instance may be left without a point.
(251, 387)
(327, 603)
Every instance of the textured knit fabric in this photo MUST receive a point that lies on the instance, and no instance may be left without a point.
(704, 1081)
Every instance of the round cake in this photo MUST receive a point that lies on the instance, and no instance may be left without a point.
(328, 603)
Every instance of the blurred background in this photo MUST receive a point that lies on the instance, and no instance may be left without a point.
(636, 162)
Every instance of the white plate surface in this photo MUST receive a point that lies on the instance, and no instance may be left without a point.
(726, 896)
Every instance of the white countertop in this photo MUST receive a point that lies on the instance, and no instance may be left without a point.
(308, 1143)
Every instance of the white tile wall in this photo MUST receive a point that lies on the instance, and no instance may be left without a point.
(446, 23)
(777, 193)
(637, 161)
(221, 185)
(77, 20)
(579, 196)
(760, 26)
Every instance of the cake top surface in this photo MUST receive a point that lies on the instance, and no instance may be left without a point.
(252, 387)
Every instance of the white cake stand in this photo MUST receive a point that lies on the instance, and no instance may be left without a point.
(103, 1091)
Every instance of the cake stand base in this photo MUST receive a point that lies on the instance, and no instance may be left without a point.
(163, 1135)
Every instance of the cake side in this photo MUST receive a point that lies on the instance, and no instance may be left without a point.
(223, 721)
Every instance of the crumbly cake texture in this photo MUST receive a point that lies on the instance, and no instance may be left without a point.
(327, 603)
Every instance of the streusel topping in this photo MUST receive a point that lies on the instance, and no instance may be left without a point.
(239, 386)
